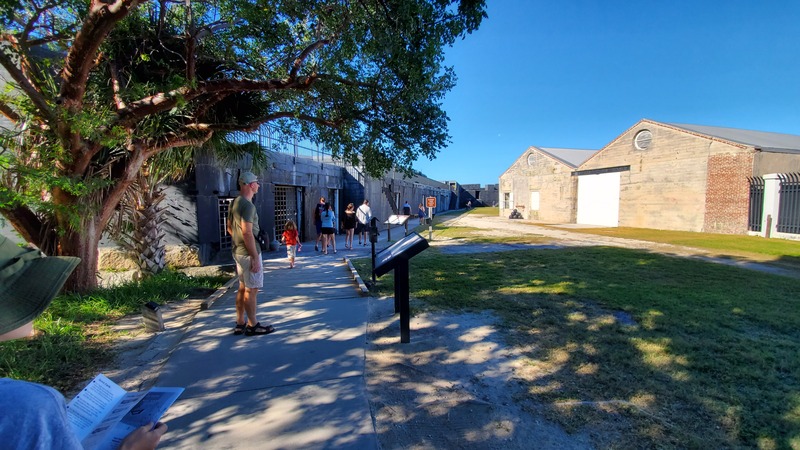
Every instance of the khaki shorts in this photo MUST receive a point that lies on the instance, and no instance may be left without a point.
(291, 251)
(248, 279)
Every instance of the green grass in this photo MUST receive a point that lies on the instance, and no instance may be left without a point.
(751, 247)
(73, 334)
(709, 359)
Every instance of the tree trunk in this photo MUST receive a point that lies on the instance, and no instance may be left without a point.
(148, 239)
(82, 244)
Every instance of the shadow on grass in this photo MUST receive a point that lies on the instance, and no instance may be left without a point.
(710, 362)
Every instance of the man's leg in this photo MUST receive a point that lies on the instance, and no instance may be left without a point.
(240, 303)
(250, 305)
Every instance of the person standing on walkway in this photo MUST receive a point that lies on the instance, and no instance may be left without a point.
(364, 215)
(421, 213)
(242, 226)
(318, 210)
(406, 209)
(290, 239)
(349, 225)
(328, 229)
(32, 415)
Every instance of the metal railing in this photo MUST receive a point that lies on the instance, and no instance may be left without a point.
(272, 139)
(789, 205)
(756, 203)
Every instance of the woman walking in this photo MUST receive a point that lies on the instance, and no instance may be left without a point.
(349, 226)
(328, 230)
(318, 209)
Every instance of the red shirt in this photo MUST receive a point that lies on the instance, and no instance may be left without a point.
(290, 237)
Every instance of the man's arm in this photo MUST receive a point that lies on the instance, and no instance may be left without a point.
(251, 246)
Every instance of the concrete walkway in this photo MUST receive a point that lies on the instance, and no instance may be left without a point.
(299, 387)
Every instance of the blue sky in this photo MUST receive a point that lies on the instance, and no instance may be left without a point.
(578, 73)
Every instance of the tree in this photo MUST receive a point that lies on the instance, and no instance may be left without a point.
(101, 87)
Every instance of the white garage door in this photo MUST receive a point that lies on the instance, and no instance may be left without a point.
(598, 199)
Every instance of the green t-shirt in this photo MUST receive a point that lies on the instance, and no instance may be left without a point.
(242, 209)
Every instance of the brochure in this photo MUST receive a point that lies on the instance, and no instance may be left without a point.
(103, 413)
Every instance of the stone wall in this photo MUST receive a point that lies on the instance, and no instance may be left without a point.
(537, 172)
(665, 185)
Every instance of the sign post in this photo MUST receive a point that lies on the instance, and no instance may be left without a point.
(430, 202)
(395, 257)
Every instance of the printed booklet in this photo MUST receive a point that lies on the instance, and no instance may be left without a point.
(103, 413)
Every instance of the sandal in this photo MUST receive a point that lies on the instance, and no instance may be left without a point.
(239, 328)
(258, 330)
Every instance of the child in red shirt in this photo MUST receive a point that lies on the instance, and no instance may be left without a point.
(290, 239)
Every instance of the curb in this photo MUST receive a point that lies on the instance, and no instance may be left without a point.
(209, 301)
(361, 286)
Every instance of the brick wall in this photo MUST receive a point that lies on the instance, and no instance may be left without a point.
(728, 192)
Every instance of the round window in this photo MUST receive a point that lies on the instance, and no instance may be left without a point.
(531, 159)
(643, 139)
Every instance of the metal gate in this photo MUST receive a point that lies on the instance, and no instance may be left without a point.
(756, 203)
(225, 239)
(286, 198)
(789, 205)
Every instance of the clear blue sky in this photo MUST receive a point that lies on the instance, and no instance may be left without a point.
(578, 73)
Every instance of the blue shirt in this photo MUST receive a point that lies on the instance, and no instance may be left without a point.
(34, 417)
(328, 219)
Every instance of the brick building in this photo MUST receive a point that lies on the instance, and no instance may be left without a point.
(680, 177)
(666, 176)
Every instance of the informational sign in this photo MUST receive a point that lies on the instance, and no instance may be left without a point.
(396, 220)
(399, 253)
(430, 202)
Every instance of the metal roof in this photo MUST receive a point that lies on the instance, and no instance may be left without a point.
(571, 156)
(762, 140)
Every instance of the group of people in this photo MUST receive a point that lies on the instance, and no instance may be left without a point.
(355, 221)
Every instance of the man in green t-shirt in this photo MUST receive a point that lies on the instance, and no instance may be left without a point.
(242, 226)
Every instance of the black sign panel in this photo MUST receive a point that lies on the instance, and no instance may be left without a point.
(399, 252)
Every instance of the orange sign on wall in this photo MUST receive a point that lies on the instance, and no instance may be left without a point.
(430, 202)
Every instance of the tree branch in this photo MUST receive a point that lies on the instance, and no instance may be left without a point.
(255, 124)
(25, 222)
(9, 113)
(103, 16)
(115, 85)
(304, 54)
(165, 101)
(27, 86)
(178, 140)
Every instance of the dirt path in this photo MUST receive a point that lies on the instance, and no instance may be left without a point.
(558, 238)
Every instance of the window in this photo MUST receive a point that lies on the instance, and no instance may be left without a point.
(506, 200)
(643, 139)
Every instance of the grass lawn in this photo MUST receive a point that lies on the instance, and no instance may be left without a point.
(73, 334)
(642, 350)
(756, 248)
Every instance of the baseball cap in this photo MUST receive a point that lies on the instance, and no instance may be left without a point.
(29, 281)
(247, 178)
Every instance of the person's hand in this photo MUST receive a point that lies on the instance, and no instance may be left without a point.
(144, 438)
(255, 264)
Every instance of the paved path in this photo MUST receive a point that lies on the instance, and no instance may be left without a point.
(300, 387)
